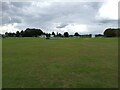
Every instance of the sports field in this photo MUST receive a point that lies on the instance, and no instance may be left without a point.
(60, 63)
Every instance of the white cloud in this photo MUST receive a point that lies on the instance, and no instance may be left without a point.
(41, 4)
(67, 15)
(81, 28)
(9, 28)
(74, 27)
(109, 10)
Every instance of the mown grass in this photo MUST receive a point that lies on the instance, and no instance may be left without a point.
(60, 63)
(0, 63)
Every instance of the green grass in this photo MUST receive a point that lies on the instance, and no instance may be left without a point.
(0, 63)
(60, 63)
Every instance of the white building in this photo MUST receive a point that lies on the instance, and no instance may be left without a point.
(93, 36)
(42, 36)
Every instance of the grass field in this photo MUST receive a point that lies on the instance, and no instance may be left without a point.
(60, 63)
(0, 63)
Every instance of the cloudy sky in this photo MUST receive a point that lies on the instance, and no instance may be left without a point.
(59, 16)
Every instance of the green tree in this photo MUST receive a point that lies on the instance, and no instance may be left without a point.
(109, 33)
(66, 34)
(53, 33)
(21, 33)
(76, 34)
(17, 34)
(32, 32)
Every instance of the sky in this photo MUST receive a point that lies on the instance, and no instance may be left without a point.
(61, 16)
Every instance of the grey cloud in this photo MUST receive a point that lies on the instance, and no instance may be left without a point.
(62, 26)
(12, 12)
(57, 12)
(28, 15)
(5, 6)
(63, 12)
(76, 12)
(106, 21)
(7, 19)
(15, 19)
(12, 5)
(20, 4)
(95, 5)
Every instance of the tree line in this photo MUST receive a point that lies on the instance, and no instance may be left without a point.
(32, 32)
(109, 32)
(27, 33)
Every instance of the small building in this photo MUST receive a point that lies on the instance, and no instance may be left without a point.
(42, 36)
(93, 36)
(51, 36)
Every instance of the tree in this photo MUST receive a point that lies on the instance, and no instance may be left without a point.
(110, 33)
(17, 34)
(32, 32)
(66, 34)
(76, 34)
(6, 34)
(21, 33)
(60, 35)
(53, 33)
(57, 34)
(10, 34)
(118, 32)
(47, 36)
(98, 35)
